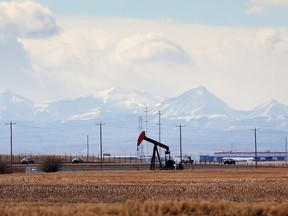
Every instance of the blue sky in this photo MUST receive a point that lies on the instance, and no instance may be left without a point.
(238, 49)
(207, 12)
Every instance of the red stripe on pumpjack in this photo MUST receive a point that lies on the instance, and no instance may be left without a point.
(140, 138)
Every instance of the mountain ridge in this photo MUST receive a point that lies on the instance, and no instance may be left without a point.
(198, 101)
(211, 125)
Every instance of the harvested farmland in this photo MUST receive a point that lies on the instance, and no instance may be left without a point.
(185, 192)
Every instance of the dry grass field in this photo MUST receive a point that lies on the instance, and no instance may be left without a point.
(261, 191)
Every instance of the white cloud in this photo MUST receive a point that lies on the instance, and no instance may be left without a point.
(262, 6)
(277, 3)
(150, 48)
(21, 19)
(273, 39)
(86, 58)
(14, 61)
(242, 66)
(26, 19)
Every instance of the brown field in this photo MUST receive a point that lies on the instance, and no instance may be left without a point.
(262, 191)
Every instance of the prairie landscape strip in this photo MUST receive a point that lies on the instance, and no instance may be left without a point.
(121, 192)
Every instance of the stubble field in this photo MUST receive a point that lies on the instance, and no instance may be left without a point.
(261, 191)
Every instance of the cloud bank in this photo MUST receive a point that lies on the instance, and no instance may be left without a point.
(243, 66)
(21, 19)
(150, 48)
(26, 19)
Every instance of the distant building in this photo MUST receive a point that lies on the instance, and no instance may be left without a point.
(207, 158)
(261, 156)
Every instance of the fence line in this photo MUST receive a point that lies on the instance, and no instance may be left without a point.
(68, 158)
(122, 159)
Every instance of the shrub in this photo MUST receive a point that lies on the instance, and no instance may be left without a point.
(4, 168)
(52, 164)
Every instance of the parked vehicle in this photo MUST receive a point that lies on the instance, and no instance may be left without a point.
(187, 159)
(27, 160)
(77, 160)
(229, 161)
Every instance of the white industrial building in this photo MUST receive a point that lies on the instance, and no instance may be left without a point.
(261, 156)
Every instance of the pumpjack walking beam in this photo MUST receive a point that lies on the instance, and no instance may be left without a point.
(155, 150)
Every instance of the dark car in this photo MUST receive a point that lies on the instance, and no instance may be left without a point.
(77, 160)
(229, 161)
(27, 160)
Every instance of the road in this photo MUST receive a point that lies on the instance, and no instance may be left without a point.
(123, 166)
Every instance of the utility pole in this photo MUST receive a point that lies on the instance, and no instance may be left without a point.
(87, 147)
(11, 143)
(140, 129)
(159, 130)
(180, 126)
(146, 131)
(101, 152)
(139, 156)
(255, 140)
(286, 158)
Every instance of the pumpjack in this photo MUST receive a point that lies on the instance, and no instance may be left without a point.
(169, 164)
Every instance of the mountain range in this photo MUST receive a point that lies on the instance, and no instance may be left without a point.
(126, 112)
(192, 103)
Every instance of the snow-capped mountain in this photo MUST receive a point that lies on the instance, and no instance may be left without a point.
(195, 102)
(62, 125)
(271, 108)
(71, 108)
(119, 101)
(113, 102)
(129, 99)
